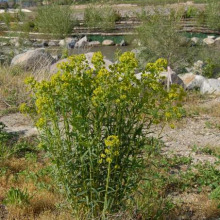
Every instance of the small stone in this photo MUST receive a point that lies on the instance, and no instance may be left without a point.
(94, 43)
(82, 42)
(108, 43)
(122, 43)
(211, 37)
(209, 41)
(195, 40)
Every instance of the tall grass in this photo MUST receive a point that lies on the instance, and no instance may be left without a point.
(56, 20)
(213, 14)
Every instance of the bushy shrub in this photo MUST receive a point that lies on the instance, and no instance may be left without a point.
(93, 124)
(213, 14)
(159, 37)
(191, 12)
(55, 19)
(103, 17)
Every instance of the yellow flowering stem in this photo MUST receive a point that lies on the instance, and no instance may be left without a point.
(106, 191)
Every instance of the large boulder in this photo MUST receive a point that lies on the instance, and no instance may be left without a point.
(33, 60)
(82, 42)
(210, 86)
(108, 43)
(192, 81)
(54, 68)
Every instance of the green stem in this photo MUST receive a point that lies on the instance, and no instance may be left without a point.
(106, 191)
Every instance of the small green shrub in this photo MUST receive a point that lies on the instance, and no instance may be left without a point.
(191, 12)
(213, 15)
(17, 197)
(159, 37)
(55, 19)
(103, 17)
(92, 126)
(215, 194)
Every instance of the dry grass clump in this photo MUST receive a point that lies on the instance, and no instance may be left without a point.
(12, 89)
(197, 207)
(196, 104)
(23, 171)
(42, 202)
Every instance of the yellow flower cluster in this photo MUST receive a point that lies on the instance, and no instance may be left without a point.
(111, 150)
(23, 108)
(42, 104)
(129, 60)
(159, 66)
(97, 60)
(112, 141)
(40, 123)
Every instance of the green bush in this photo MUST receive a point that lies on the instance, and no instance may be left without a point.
(159, 37)
(55, 19)
(103, 17)
(213, 15)
(191, 12)
(17, 197)
(93, 124)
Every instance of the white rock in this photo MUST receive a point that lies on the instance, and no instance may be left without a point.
(62, 43)
(82, 42)
(195, 40)
(192, 81)
(211, 37)
(209, 41)
(94, 43)
(210, 86)
(108, 43)
(54, 69)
